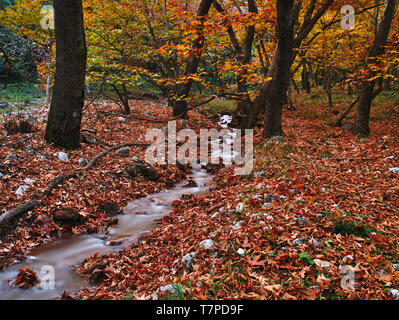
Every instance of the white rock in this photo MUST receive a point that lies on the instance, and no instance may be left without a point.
(168, 287)
(396, 266)
(394, 170)
(1, 175)
(324, 190)
(241, 251)
(62, 156)
(314, 242)
(82, 162)
(122, 119)
(215, 215)
(395, 293)
(21, 190)
(29, 181)
(299, 199)
(207, 244)
(348, 258)
(268, 216)
(188, 259)
(238, 225)
(323, 264)
(239, 208)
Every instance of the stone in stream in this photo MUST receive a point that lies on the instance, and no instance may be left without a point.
(67, 216)
(394, 170)
(110, 208)
(142, 170)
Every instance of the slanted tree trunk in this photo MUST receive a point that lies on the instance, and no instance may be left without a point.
(285, 29)
(367, 88)
(179, 102)
(64, 119)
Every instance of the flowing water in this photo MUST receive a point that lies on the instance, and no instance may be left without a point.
(140, 216)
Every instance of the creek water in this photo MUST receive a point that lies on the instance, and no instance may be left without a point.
(140, 216)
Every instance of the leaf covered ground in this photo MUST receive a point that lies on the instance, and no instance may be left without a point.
(26, 156)
(318, 202)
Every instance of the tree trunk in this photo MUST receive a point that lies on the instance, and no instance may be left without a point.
(63, 125)
(285, 27)
(179, 102)
(367, 95)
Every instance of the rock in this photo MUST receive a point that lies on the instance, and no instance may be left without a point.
(241, 251)
(300, 221)
(329, 143)
(268, 217)
(191, 184)
(215, 215)
(335, 206)
(298, 242)
(123, 152)
(82, 162)
(238, 225)
(396, 266)
(97, 276)
(30, 151)
(148, 114)
(347, 259)
(283, 198)
(168, 287)
(322, 264)
(122, 119)
(146, 172)
(114, 243)
(188, 260)
(62, 156)
(300, 200)
(267, 205)
(183, 122)
(29, 181)
(324, 190)
(3, 105)
(21, 190)
(269, 198)
(67, 216)
(276, 139)
(394, 293)
(110, 208)
(1, 175)
(11, 157)
(41, 157)
(207, 244)
(138, 160)
(394, 170)
(240, 208)
(314, 242)
(259, 174)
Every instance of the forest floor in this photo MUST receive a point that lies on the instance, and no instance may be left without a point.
(319, 205)
(28, 164)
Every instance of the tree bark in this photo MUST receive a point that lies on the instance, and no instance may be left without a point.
(63, 125)
(285, 29)
(179, 102)
(367, 95)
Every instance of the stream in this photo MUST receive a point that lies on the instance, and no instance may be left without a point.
(140, 216)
